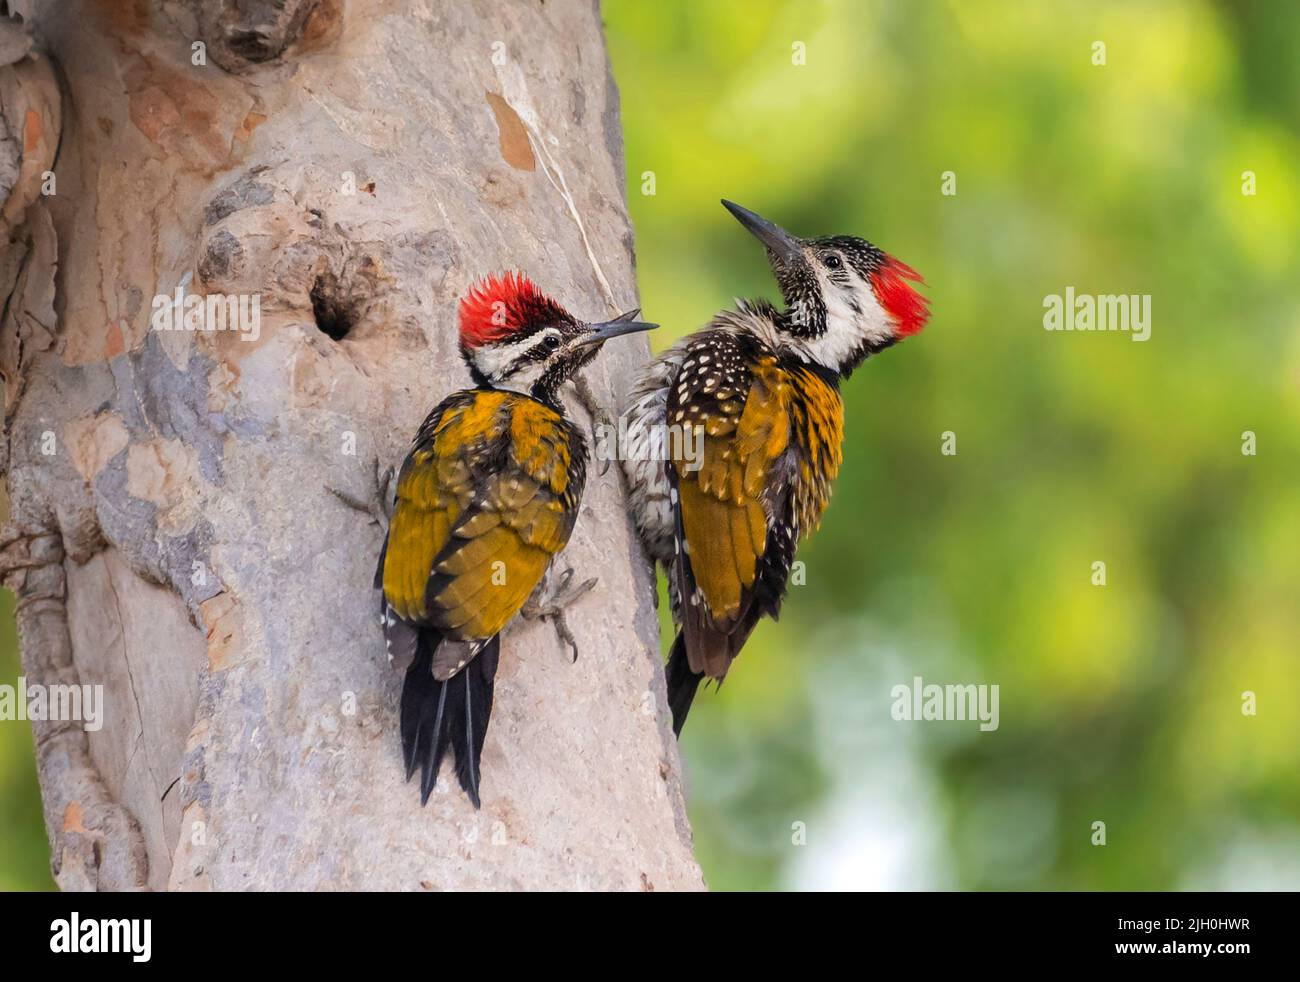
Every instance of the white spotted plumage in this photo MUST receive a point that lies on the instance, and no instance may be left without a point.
(651, 493)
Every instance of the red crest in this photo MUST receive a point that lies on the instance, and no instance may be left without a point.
(498, 306)
(909, 309)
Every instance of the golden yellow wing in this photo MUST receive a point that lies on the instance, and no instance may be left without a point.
(487, 497)
(738, 402)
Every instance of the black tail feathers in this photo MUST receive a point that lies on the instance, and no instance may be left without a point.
(438, 714)
(682, 683)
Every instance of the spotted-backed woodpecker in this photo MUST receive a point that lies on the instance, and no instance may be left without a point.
(734, 437)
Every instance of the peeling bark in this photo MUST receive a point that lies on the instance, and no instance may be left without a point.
(354, 166)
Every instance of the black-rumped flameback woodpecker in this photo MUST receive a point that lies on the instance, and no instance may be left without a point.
(747, 413)
(486, 499)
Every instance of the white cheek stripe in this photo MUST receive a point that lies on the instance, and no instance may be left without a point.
(845, 330)
(492, 360)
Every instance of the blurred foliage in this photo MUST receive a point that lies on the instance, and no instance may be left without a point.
(24, 850)
(1119, 703)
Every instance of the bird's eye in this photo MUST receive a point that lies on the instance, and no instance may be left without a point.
(832, 261)
(552, 341)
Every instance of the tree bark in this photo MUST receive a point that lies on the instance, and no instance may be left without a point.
(354, 165)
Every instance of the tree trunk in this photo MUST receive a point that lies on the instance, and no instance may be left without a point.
(352, 166)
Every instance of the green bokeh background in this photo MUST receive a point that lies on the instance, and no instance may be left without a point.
(1121, 703)
(24, 850)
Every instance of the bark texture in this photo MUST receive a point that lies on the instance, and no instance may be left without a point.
(355, 165)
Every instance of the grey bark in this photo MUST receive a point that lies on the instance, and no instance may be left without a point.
(355, 165)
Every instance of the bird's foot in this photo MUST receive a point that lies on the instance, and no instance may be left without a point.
(551, 598)
(379, 506)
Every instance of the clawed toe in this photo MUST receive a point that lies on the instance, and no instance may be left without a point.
(549, 602)
(379, 508)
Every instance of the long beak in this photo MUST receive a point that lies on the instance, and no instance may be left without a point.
(622, 324)
(782, 244)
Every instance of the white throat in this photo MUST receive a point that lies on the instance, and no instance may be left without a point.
(847, 329)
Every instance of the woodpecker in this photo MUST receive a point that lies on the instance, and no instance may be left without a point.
(485, 500)
(734, 437)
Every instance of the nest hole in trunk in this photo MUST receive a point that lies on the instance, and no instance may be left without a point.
(334, 312)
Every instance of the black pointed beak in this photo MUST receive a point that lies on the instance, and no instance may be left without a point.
(780, 242)
(620, 325)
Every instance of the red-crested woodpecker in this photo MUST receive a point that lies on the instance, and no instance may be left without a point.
(487, 497)
(750, 415)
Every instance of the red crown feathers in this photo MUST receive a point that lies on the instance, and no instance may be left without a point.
(497, 306)
(909, 309)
